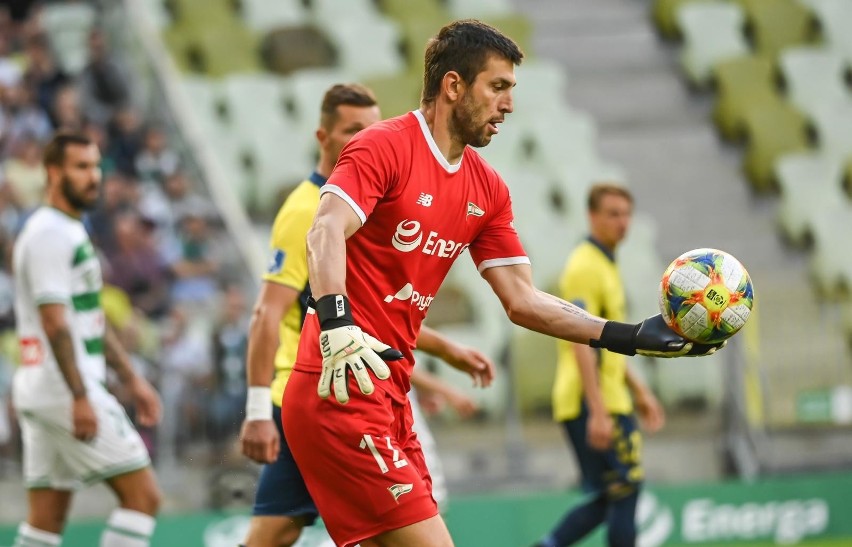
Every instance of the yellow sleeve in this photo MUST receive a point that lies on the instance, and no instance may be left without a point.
(580, 285)
(288, 263)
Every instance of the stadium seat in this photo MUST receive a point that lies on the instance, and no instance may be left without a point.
(834, 18)
(831, 264)
(480, 9)
(156, 11)
(263, 15)
(772, 129)
(516, 27)
(776, 24)
(664, 14)
(742, 83)
(712, 31)
(305, 92)
(220, 56)
(209, 13)
(833, 124)
(397, 94)
(810, 184)
(253, 100)
(204, 95)
(280, 156)
(541, 83)
(532, 362)
(641, 267)
(814, 77)
(329, 13)
(379, 56)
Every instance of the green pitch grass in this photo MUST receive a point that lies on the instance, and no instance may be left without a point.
(809, 543)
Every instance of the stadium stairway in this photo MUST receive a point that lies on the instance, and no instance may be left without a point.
(660, 132)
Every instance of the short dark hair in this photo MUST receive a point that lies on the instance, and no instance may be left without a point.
(464, 47)
(54, 152)
(344, 94)
(598, 191)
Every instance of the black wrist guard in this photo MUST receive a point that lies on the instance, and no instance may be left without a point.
(617, 338)
(333, 311)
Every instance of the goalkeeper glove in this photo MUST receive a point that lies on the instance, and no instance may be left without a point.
(343, 345)
(651, 337)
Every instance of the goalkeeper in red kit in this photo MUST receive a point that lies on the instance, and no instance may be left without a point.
(407, 197)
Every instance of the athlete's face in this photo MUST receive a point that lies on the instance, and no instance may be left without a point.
(610, 222)
(350, 120)
(485, 103)
(80, 176)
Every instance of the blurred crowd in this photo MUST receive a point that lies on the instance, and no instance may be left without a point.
(170, 294)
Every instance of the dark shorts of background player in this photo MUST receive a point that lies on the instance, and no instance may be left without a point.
(281, 491)
(613, 470)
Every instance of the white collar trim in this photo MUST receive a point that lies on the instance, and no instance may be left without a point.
(433, 146)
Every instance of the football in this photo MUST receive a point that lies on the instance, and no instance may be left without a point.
(706, 295)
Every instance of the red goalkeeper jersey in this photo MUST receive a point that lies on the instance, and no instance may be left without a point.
(418, 215)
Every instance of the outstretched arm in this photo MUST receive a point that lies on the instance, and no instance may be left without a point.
(463, 358)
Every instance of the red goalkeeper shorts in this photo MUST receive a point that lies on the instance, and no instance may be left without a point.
(361, 462)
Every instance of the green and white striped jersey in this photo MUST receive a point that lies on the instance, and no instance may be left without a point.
(54, 262)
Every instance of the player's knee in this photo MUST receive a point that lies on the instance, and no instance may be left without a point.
(621, 490)
(145, 500)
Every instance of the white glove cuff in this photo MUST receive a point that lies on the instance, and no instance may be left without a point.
(258, 403)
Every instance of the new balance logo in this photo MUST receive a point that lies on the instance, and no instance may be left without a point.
(425, 200)
(474, 210)
(398, 490)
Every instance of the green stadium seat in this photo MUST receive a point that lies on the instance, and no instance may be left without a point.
(207, 13)
(516, 27)
(228, 49)
(834, 18)
(712, 32)
(416, 32)
(810, 184)
(329, 13)
(772, 129)
(777, 24)
(533, 366)
(742, 83)
(814, 77)
(664, 15)
(405, 10)
(397, 94)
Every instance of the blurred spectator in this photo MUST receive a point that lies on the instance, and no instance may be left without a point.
(125, 139)
(99, 136)
(184, 369)
(117, 195)
(156, 160)
(66, 109)
(173, 201)
(20, 118)
(25, 174)
(230, 341)
(104, 86)
(10, 69)
(42, 75)
(136, 267)
(193, 262)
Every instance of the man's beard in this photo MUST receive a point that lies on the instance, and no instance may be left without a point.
(463, 124)
(77, 200)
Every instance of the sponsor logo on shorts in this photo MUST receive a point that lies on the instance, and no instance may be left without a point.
(398, 490)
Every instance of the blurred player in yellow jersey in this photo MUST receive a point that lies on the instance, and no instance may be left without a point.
(283, 506)
(592, 390)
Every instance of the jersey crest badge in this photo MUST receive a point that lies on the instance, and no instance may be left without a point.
(474, 210)
(276, 261)
(398, 490)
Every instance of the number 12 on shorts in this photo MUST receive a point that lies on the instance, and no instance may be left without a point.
(368, 442)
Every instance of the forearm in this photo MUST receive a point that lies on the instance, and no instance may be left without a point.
(62, 346)
(326, 259)
(635, 384)
(426, 382)
(116, 357)
(547, 314)
(433, 343)
(587, 363)
(262, 345)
